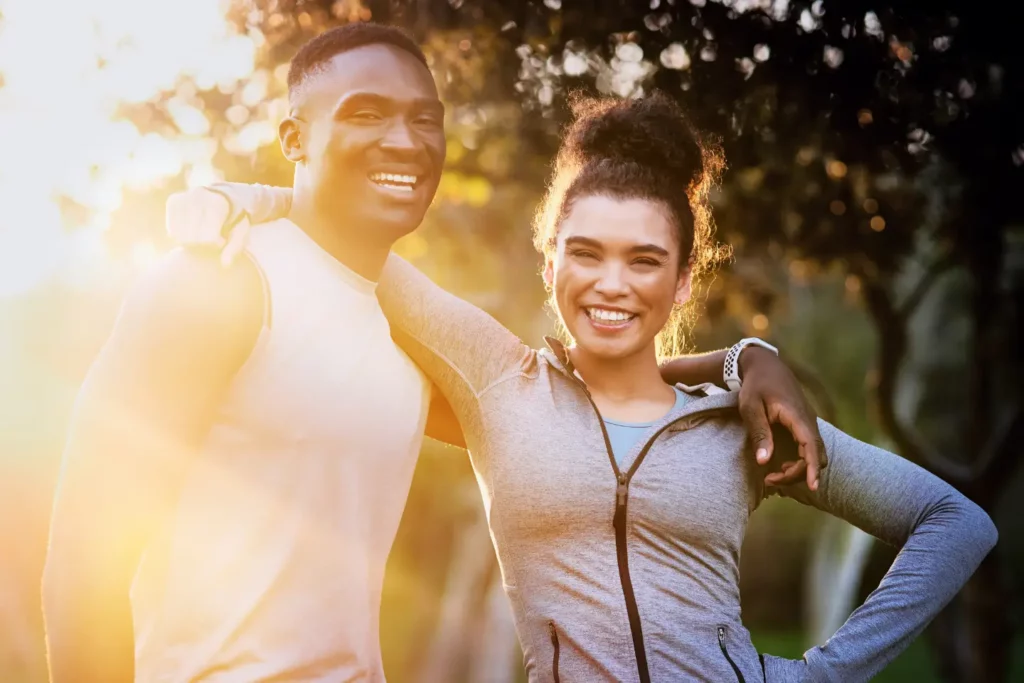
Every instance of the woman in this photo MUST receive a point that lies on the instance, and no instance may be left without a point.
(618, 504)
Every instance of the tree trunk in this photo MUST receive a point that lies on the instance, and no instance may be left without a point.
(841, 552)
(465, 606)
(956, 395)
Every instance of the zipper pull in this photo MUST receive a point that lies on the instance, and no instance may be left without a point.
(621, 491)
(721, 635)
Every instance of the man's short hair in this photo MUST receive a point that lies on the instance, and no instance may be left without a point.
(312, 56)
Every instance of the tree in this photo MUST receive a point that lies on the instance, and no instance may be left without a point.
(883, 140)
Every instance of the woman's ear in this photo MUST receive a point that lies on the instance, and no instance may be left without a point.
(289, 132)
(683, 291)
(549, 272)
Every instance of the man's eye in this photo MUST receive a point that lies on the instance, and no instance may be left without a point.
(582, 254)
(650, 263)
(366, 115)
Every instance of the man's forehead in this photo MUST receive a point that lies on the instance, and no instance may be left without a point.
(379, 69)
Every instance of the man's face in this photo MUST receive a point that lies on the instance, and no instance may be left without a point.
(373, 141)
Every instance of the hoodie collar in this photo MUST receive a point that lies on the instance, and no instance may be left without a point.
(714, 397)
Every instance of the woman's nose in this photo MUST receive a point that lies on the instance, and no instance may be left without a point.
(612, 281)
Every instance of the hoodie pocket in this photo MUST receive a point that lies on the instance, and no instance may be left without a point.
(556, 649)
(722, 632)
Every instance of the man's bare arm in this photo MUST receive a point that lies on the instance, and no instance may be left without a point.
(697, 368)
(144, 408)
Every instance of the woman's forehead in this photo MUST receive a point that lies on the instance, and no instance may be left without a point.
(614, 221)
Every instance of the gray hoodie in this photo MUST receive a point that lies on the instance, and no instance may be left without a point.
(631, 573)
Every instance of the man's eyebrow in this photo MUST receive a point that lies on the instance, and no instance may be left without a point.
(362, 97)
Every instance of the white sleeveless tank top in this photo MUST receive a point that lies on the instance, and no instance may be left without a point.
(272, 566)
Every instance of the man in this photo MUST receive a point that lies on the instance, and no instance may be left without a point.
(243, 446)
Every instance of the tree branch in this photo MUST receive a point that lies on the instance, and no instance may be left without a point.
(913, 300)
(1000, 456)
(892, 348)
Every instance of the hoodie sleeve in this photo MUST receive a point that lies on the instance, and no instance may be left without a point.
(943, 538)
(263, 203)
(462, 349)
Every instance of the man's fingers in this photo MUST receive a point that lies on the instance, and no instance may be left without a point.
(812, 467)
(808, 440)
(755, 419)
(237, 239)
(790, 472)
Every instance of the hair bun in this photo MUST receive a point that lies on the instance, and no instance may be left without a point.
(651, 131)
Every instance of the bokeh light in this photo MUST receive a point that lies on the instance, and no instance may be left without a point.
(60, 135)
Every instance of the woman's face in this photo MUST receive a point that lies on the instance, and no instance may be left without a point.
(615, 274)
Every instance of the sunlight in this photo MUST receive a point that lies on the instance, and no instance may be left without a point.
(58, 134)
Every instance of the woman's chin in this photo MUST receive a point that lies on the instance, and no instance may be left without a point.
(603, 348)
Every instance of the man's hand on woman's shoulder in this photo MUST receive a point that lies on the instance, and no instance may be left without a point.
(771, 394)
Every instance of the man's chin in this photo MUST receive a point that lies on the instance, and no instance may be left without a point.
(394, 222)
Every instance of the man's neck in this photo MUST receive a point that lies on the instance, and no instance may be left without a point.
(366, 259)
(621, 380)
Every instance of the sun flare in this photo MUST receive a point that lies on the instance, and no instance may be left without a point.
(61, 83)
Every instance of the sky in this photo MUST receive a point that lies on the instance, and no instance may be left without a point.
(65, 67)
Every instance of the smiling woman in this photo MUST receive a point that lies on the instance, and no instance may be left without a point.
(626, 211)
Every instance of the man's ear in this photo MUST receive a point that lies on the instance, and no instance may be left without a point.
(549, 272)
(289, 132)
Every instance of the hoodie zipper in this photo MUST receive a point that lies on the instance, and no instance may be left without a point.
(621, 548)
(619, 524)
(721, 644)
(557, 649)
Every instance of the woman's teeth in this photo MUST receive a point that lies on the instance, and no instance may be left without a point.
(605, 316)
(394, 181)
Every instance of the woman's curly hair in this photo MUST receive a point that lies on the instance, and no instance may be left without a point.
(643, 148)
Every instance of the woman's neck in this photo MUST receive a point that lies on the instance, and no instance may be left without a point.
(626, 388)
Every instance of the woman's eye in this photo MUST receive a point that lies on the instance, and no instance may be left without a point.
(582, 255)
(646, 262)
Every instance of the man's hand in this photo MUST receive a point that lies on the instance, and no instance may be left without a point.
(772, 394)
(204, 217)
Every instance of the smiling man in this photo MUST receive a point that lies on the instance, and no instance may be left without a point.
(243, 446)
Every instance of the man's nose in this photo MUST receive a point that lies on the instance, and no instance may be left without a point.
(399, 138)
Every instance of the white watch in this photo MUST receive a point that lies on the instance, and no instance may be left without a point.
(731, 372)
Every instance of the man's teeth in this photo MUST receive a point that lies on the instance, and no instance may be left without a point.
(606, 316)
(394, 181)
